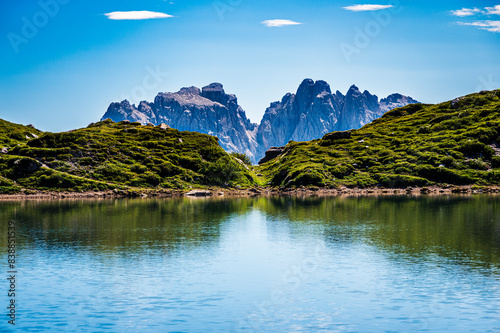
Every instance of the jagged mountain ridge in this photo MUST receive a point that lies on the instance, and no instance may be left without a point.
(309, 114)
(210, 111)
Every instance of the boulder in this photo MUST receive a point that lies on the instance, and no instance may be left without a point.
(271, 154)
(198, 193)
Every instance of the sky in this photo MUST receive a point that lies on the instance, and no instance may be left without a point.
(62, 62)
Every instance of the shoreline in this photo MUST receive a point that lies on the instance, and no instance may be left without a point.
(254, 192)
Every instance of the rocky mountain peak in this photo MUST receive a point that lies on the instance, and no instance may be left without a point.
(353, 88)
(394, 101)
(393, 98)
(320, 87)
(214, 92)
(209, 110)
(189, 91)
(305, 93)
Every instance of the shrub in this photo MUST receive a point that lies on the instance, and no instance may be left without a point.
(86, 161)
(402, 171)
(56, 180)
(308, 177)
(152, 179)
(477, 165)
(448, 161)
(399, 181)
(222, 171)
(476, 148)
(341, 170)
(242, 157)
(495, 162)
(138, 168)
(444, 175)
(493, 176)
(167, 169)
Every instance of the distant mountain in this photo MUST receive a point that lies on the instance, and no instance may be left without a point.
(309, 114)
(314, 111)
(209, 111)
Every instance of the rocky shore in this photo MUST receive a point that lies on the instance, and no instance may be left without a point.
(255, 191)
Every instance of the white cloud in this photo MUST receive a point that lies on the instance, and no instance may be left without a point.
(136, 15)
(493, 26)
(465, 12)
(495, 10)
(364, 8)
(279, 23)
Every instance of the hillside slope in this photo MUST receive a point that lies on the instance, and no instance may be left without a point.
(12, 134)
(456, 142)
(123, 155)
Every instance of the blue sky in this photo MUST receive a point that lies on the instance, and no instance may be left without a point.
(64, 61)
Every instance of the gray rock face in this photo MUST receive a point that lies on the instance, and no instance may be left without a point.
(395, 101)
(308, 114)
(209, 111)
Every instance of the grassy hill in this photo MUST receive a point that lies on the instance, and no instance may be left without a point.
(456, 142)
(12, 134)
(109, 155)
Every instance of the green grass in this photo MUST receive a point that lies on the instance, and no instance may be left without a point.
(12, 134)
(109, 155)
(417, 145)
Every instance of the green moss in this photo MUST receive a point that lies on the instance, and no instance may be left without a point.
(13, 134)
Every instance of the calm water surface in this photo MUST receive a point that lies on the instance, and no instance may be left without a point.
(388, 264)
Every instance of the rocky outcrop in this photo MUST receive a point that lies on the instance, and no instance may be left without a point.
(209, 111)
(308, 114)
(271, 154)
(395, 101)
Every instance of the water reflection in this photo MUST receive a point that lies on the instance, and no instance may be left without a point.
(448, 226)
(217, 265)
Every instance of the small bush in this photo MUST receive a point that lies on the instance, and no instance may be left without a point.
(495, 162)
(222, 171)
(401, 181)
(476, 149)
(308, 177)
(444, 175)
(477, 165)
(242, 157)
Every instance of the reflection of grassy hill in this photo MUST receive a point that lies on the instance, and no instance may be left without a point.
(450, 143)
(121, 224)
(440, 225)
(108, 155)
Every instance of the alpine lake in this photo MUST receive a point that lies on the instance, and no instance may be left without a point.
(262, 264)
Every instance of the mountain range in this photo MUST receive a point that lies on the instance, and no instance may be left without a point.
(308, 114)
